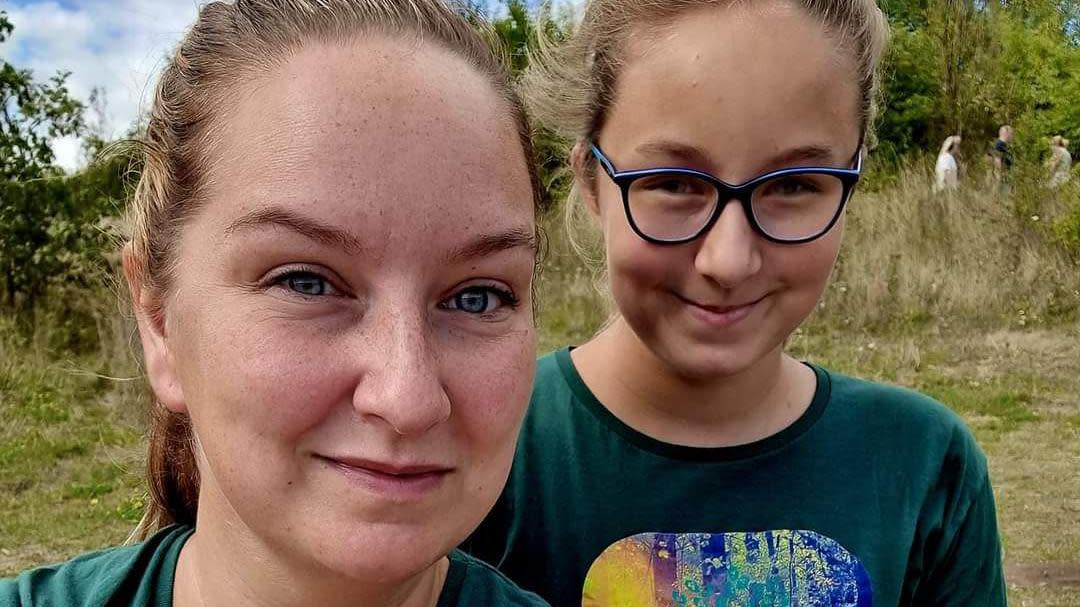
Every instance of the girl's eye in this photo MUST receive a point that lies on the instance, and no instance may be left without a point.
(672, 184)
(308, 284)
(480, 300)
(788, 186)
(675, 186)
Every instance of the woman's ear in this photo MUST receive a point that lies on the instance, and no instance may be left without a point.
(150, 317)
(584, 179)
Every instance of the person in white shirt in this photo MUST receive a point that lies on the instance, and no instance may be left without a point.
(946, 171)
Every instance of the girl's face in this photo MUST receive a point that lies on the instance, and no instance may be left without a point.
(735, 92)
(350, 323)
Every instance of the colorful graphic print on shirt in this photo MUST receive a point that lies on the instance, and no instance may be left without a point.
(760, 569)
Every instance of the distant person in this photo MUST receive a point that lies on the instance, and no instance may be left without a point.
(1060, 162)
(331, 258)
(1003, 157)
(946, 172)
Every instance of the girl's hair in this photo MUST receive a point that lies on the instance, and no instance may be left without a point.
(1056, 140)
(570, 86)
(229, 44)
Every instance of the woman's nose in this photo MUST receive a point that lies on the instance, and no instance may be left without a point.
(404, 388)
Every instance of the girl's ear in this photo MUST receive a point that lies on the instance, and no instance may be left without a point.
(584, 179)
(157, 354)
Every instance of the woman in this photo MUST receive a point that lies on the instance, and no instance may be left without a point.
(1060, 162)
(680, 457)
(331, 261)
(946, 172)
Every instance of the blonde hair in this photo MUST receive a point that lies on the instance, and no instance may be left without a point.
(570, 86)
(949, 144)
(228, 44)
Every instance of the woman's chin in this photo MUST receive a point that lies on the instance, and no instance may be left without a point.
(392, 564)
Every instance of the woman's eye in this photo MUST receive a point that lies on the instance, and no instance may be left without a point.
(480, 300)
(307, 284)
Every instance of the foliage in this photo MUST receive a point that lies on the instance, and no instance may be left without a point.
(520, 30)
(1066, 228)
(955, 66)
(967, 66)
(31, 115)
(56, 231)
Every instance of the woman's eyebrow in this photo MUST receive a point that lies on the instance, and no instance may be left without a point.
(489, 244)
(305, 226)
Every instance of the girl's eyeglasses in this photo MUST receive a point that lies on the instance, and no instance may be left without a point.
(678, 205)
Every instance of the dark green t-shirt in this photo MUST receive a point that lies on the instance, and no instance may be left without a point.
(142, 576)
(877, 496)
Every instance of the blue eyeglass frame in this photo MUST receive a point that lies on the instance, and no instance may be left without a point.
(743, 192)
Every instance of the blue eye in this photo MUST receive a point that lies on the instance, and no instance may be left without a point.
(308, 284)
(480, 300)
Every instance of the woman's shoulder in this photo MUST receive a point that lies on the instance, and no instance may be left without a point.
(133, 575)
(472, 582)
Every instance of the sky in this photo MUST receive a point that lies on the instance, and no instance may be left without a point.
(118, 46)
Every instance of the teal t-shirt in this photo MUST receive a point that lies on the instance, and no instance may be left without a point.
(142, 576)
(877, 496)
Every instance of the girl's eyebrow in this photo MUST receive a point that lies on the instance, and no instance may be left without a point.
(692, 155)
(685, 153)
(305, 226)
(804, 155)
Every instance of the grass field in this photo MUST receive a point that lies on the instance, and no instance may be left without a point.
(71, 451)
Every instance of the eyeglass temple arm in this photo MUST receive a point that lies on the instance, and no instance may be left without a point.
(610, 168)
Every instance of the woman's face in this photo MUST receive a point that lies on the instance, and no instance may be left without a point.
(736, 92)
(350, 323)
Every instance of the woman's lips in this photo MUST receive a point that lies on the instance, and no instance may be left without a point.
(402, 481)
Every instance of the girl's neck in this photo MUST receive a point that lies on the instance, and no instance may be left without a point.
(647, 395)
(223, 563)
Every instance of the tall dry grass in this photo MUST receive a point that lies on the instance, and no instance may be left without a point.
(970, 258)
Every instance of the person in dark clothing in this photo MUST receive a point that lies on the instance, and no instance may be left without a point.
(1002, 156)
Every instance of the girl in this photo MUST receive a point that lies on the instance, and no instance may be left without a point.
(333, 244)
(680, 457)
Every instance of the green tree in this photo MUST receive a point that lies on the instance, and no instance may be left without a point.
(39, 211)
(520, 30)
(31, 115)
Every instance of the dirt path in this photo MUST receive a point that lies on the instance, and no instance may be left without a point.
(1062, 575)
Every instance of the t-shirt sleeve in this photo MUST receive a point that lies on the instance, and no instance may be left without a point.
(9, 593)
(965, 567)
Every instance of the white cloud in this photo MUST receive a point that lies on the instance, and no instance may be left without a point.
(116, 45)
